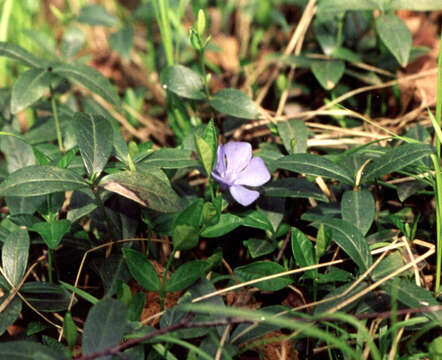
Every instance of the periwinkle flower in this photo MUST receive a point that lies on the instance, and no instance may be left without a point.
(235, 168)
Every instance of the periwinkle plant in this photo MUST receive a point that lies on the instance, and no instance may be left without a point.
(235, 168)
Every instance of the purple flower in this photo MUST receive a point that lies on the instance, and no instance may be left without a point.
(235, 168)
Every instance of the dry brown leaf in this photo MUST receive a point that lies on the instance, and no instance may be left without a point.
(227, 57)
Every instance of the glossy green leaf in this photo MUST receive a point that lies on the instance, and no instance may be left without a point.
(145, 189)
(10, 314)
(396, 36)
(96, 15)
(122, 41)
(350, 239)
(259, 247)
(73, 41)
(21, 55)
(227, 222)
(90, 79)
(396, 159)
(294, 188)
(328, 72)
(52, 232)
(358, 208)
(142, 269)
(315, 165)
(413, 296)
(17, 152)
(186, 275)
(327, 29)
(185, 233)
(205, 154)
(183, 82)
(260, 269)
(302, 248)
(15, 253)
(105, 326)
(235, 103)
(27, 350)
(257, 220)
(421, 5)
(293, 134)
(93, 133)
(40, 180)
(210, 136)
(166, 158)
(45, 296)
(29, 87)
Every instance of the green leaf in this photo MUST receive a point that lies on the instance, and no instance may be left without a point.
(257, 220)
(421, 5)
(27, 350)
(314, 165)
(15, 253)
(210, 136)
(142, 269)
(96, 15)
(17, 152)
(328, 72)
(186, 275)
(396, 159)
(235, 103)
(350, 239)
(10, 313)
(70, 330)
(93, 133)
(259, 247)
(105, 326)
(183, 81)
(396, 36)
(122, 41)
(294, 188)
(205, 154)
(29, 87)
(413, 296)
(45, 296)
(293, 134)
(345, 5)
(166, 158)
(358, 208)
(90, 79)
(21, 55)
(73, 41)
(302, 248)
(227, 223)
(145, 189)
(52, 232)
(185, 234)
(327, 31)
(260, 269)
(40, 180)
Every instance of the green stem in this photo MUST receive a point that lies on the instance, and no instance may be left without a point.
(203, 71)
(50, 265)
(57, 121)
(438, 192)
(164, 279)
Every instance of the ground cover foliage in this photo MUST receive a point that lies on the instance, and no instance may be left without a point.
(195, 179)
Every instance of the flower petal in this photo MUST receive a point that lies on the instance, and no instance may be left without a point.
(242, 195)
(238, 155)
(256, 174)
(220, 166)
(221, 180)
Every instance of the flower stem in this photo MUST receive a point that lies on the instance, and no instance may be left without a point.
(57, 121)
